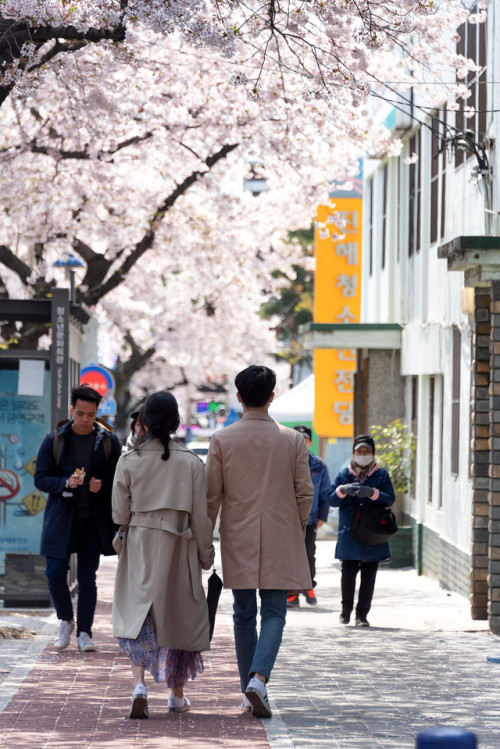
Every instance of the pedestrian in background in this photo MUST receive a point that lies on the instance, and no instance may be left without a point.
(160, 612)
(318, 515)
(75, 465)
(135, 429)
(258, 476)
(362, 481)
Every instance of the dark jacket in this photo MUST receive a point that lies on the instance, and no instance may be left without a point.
(347, 547)
(322, 486)
(51, 478)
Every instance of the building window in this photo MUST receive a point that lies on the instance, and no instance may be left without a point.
(472, 44)
(455, 400)
(369, 198)
(414, 429)
(438, 178)
(432, 404)
(399, 182)
(385, 172)
(414, 196)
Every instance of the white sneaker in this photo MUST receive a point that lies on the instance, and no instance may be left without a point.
(85, 644)
(139, 706)
(246, 705)
(256, 693)
(178, 704)
(61, 640)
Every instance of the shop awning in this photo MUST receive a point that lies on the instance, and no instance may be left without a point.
(351, 335)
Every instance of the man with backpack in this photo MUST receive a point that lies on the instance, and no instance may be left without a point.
(75, 466)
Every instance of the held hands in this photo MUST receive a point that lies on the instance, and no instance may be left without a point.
(350, 489)
(357, 490)
(365, 492)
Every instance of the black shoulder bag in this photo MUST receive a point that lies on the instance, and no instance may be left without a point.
(372, 524)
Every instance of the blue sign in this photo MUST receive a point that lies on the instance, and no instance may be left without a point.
(107, 407)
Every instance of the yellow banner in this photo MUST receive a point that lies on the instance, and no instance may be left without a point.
(337, 299)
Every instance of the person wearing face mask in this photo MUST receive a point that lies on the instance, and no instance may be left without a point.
(362, 481)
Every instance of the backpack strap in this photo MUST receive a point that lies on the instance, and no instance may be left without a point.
(106, 445)
(58, 445)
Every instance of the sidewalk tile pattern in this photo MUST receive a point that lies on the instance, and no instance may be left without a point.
(421, 663)
(72, 699)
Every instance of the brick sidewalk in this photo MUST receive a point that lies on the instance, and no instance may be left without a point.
(71, 699)
(423, 662)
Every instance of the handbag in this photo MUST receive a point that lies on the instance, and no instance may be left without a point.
(372, 524)
(119, 538)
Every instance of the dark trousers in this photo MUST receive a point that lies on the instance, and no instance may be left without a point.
(85, 541)
(350, 569)
(311, 550)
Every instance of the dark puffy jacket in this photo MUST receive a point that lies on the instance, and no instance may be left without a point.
(51, 478)
(322, 486)
(347, 546)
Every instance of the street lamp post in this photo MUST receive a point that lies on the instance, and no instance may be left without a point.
(69, 263)
(255, 181)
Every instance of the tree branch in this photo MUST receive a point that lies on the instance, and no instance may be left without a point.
(83, 155)
(13, 35)
(15, 264)
(95, 293)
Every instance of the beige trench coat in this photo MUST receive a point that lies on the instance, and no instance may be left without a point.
(258, 475)
(167, 543)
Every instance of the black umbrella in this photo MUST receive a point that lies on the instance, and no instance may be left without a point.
(213, 594)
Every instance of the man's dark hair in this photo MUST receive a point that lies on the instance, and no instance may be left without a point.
(255, 384)
(85, 393)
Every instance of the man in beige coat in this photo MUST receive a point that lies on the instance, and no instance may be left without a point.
(258, 476)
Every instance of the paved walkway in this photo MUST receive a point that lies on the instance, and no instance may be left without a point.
(422, 663)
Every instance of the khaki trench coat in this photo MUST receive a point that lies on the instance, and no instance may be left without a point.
(167, 543)
(258, 475)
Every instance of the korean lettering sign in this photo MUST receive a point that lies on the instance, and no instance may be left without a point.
(337, 299)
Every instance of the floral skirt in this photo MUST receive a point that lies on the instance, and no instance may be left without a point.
(174, 667)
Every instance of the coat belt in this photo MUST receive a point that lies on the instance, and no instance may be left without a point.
(160, 523)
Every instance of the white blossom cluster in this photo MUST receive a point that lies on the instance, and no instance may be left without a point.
(99, 138)
(326, 43)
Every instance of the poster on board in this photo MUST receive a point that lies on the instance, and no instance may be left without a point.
(24, 422)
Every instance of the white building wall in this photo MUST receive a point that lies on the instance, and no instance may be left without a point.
(420, 293)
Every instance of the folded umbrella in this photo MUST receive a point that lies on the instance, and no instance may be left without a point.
(215, 586)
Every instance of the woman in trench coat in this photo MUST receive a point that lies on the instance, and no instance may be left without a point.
(159, 611)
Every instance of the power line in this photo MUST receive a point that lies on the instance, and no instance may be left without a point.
(411, 84)
(431, 109)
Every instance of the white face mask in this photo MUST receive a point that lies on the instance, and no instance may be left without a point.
(363, 460)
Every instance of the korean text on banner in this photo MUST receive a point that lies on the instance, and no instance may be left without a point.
(337, 299)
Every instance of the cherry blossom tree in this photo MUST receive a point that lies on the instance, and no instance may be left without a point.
(126, 126)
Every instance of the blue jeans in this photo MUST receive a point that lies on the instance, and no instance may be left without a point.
(85, 541)
(257, 654)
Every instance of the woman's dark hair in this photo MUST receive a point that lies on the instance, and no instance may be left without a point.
(255, 384)
(161, 417)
